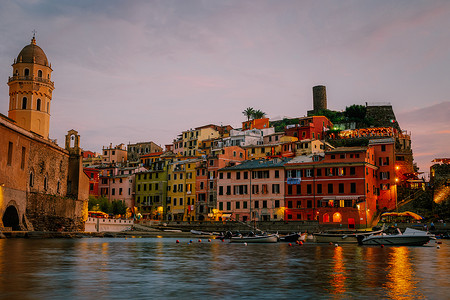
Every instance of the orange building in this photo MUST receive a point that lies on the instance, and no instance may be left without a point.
(255, 124)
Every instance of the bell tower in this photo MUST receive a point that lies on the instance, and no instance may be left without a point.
(30, 90)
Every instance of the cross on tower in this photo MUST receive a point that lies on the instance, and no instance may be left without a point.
(34, 33)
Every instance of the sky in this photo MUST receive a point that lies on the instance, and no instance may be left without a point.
(137, 71)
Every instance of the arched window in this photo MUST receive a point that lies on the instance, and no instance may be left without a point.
(337, 217)
(40, 74)
(326, 218)
(24, 103)
(26, 72)
(38, 104)
(31, 179)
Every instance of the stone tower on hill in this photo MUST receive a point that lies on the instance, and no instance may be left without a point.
(30, 90)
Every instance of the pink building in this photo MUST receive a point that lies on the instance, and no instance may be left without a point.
(252, 190)
(118, 183)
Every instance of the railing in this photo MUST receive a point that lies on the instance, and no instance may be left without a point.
(30, 78)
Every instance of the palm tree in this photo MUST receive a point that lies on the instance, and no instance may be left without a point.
(258, 114)
(248, 112)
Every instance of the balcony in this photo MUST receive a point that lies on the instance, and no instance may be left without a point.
(30, 78)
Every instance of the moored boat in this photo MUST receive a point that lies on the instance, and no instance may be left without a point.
(293, 237)
(342, 237)
(265, 238)
(410, 237)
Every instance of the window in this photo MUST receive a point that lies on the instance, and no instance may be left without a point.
(26, 72)
(22, 162)
(353, 187)
(228, 189)
(220, 205)
(113, 191)
(277, 203)
(319, 172)
(342, 156)
(228, 175)
(24, 103)
(309, 189)
(10, 152)
(40, 74)
(277, 174)
(38, 104)
(352, 171)
(238, 175)
(256, 204)
(255, 189)
(330, 188)
(383, 148)
(289, 189)
(309, 172)
(319, 188)
(264, 204)
(333, 156)
(299, 189)
(45, 183)
(275, 188)
(341, 188)
(220, 190)
(245, 175)
(289, 204)
(220, 175)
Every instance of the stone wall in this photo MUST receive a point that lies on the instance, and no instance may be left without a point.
(381, 116)
(55, 213)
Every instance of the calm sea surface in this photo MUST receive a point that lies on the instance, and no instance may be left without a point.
(146, 268)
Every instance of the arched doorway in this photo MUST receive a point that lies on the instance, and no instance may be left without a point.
(11, 218)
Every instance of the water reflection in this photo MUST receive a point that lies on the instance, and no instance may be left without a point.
(147, 268)
(401, 282)
(339, 273)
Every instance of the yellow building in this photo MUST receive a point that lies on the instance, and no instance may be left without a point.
(181, 201)
(30, 90)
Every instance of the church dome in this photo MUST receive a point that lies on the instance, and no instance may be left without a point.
(32, 53)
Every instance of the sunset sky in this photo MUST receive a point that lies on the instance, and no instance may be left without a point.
(135, 71)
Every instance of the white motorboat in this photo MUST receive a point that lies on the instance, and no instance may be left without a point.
(266, 238)
(342, 237)
(410, 237)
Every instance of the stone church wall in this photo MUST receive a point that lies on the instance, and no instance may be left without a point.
(55, 213)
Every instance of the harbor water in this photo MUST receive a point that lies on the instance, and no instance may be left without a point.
(148, 268)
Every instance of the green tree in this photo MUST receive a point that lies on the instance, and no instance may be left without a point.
(355, 113)
(258, 114)
(118, 208)
(248, 112)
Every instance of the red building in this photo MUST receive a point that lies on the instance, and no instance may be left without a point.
(338, 187)
(387, 178)
(93, 175)
(312, 128)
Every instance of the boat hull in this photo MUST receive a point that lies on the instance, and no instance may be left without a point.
(411, 237)
(255, 239)
(342, 238)
(397, 241)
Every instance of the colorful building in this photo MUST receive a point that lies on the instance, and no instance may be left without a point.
(135, 151)
(252, 190)
(114, 155)
(337, 187)
(312, 128)
(94, 177)
(206, 180)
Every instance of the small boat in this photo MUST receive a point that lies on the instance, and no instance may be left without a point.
(263, 238)
(293, 237)
(198, 232)
(342, 237)
(410, 237)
